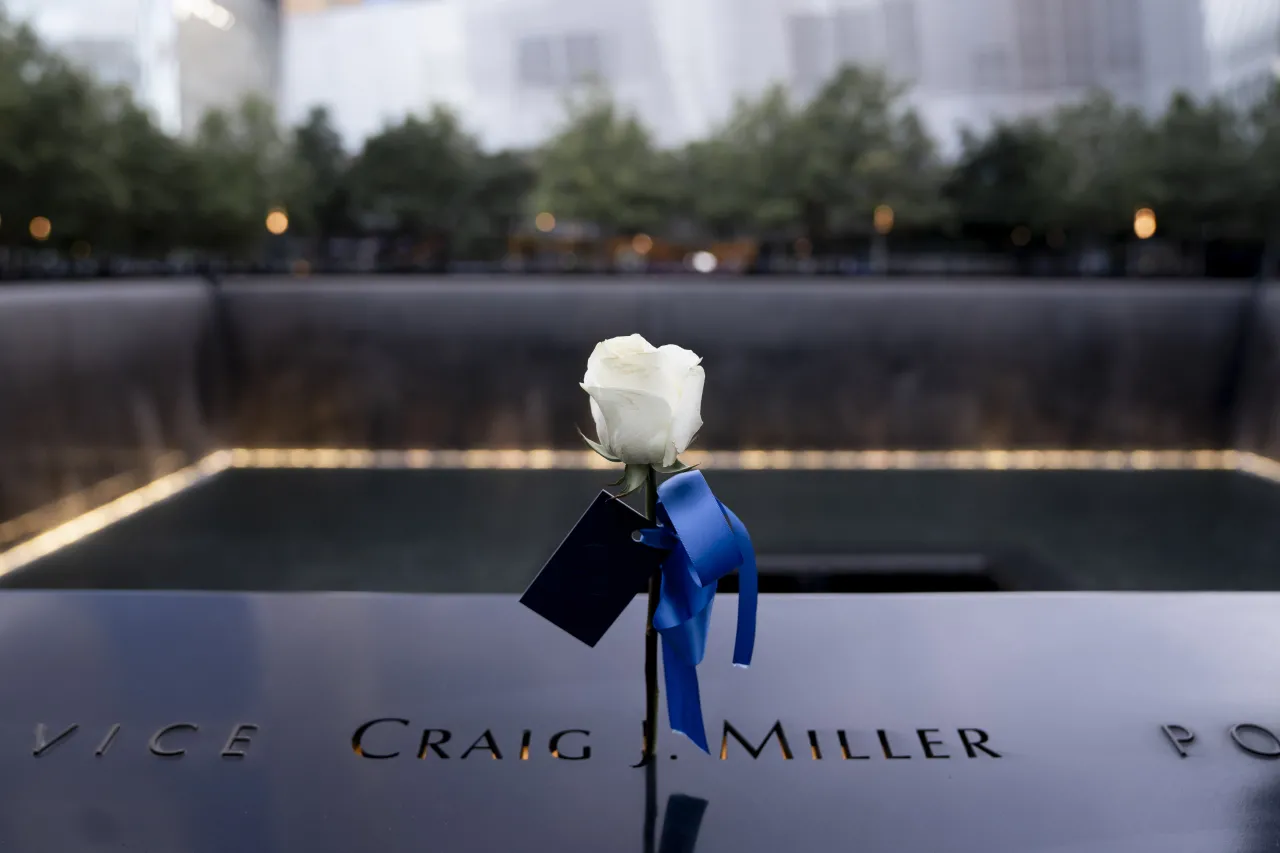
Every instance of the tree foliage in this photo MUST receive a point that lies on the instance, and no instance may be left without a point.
(53, 125)
(95, 164)
(1262, 171)
(858, 147)
(1101, 172)
(417, 176)
(741, 179)
(1198, 157)
(1009, 177)
(603, 169)
(320, 200)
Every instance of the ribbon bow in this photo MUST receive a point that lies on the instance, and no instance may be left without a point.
(707, 542)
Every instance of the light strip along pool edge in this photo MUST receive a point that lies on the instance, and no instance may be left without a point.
(90, 522)
(767, 460)
(162, 488)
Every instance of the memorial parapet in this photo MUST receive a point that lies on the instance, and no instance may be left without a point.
(213, 722)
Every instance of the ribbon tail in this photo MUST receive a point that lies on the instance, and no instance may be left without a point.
(748, 592)
(684, 705)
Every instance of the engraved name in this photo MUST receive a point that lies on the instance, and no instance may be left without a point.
(386, 738)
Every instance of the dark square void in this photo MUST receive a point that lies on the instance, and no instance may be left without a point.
(490, 531)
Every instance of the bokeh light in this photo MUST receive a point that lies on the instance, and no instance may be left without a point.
(704, 262)
(40, 228)
(641, 244)
(277, 221)
(544, 222)
(1144, 223)
(883, 219)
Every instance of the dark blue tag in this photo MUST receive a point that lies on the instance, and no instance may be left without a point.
(596, 571)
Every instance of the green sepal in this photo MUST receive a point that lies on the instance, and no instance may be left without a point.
(598, 448)
(633, 479)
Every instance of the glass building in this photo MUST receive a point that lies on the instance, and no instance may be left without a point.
(180, 57)
(508, 65)
(971, 61)
(1244, 48)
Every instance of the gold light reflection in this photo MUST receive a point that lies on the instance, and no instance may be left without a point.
(96, 519)
(61, 510)
(995, 459)
(882, 219)
(1144, 223)
(277, 221)
(1259, 466)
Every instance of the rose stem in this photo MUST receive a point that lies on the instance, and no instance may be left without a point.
(650, 635)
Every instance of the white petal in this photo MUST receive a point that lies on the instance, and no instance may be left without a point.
(613, 348)
(638, 424)
(602, 428)
(687, 413)
(627, 345)
(642, 371)
(678, 365)
(678, 359)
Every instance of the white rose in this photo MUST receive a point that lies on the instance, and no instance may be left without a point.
(646, 400)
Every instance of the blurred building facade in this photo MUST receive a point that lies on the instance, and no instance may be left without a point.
(1244, 48)
(969, 62)
(509, 65)
(180, 57)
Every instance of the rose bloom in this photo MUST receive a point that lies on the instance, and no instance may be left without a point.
(646, 400)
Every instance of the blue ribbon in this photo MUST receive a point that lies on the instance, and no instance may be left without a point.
(707, 542)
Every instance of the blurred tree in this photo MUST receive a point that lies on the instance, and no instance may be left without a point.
(602, 169)
(1199, 156)
(94, 163)
(1264, 176)
(503, 183)
(1010, 177)
(1105, 169)
(863, 148)
(53, 163)
(916, 175)
(160, 178)
(416, 181)
(243, 169)
(741, 181)
(319, 201)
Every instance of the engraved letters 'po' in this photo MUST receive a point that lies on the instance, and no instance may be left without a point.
(1252, 739)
